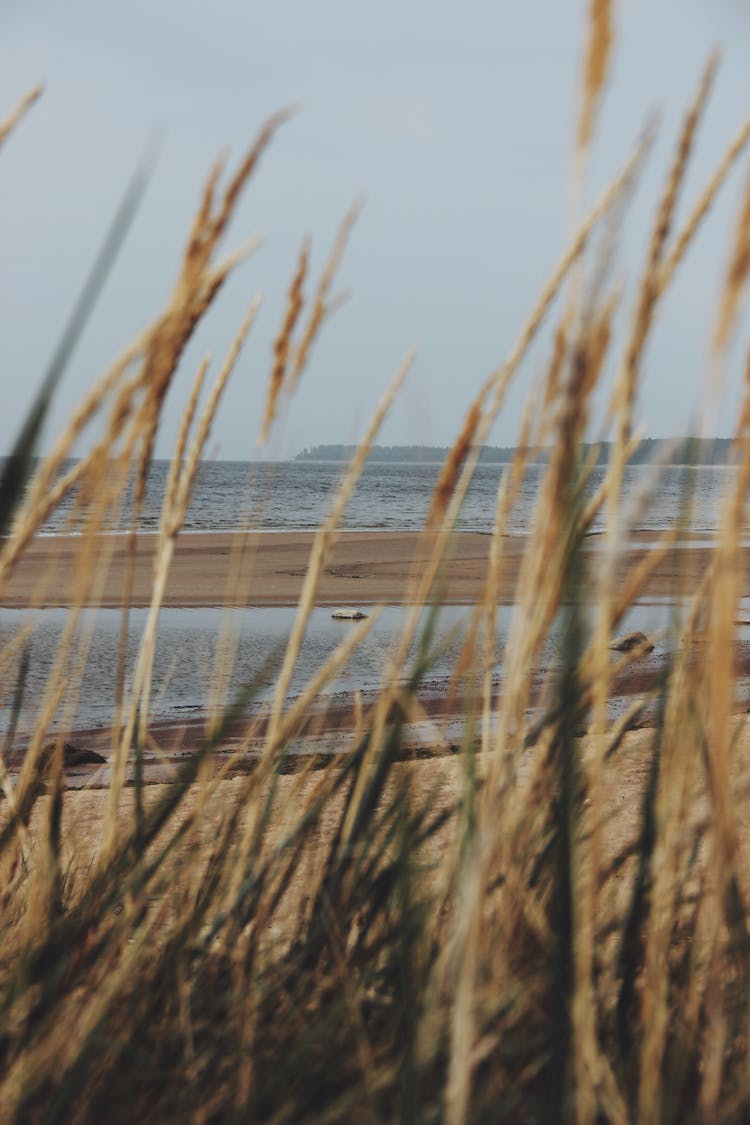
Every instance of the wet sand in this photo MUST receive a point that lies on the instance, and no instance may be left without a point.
(365, 568)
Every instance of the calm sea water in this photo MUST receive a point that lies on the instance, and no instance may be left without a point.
(187, 647)
(296, 495)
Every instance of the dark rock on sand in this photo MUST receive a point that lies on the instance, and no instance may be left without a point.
(81, 756)
(75, 755)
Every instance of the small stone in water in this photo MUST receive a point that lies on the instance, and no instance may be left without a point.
(631, 641)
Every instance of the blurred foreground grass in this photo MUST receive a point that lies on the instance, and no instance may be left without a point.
(547, 925)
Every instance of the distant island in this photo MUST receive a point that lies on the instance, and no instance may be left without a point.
(686, 451)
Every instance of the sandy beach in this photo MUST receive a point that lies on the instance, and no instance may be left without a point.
(268, 569)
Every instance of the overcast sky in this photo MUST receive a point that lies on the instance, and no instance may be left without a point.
(454, 121)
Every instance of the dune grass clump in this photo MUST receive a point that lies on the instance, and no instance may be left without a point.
(551, 923)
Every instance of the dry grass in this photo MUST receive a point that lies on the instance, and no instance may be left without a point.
(739, 268)
(544, 926)
(8, 125)
(596, 65)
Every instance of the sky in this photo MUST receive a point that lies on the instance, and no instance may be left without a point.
(454, 122)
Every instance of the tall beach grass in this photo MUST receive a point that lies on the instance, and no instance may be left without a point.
(549, 924)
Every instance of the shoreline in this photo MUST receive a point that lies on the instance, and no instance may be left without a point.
(365, 568)
(329, 727)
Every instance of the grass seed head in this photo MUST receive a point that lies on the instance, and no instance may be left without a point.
(596, 66)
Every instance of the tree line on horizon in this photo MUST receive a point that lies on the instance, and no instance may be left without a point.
(670, 451)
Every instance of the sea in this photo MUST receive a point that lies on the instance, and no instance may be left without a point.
(298, 495)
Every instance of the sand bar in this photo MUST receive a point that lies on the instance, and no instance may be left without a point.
(268, 569)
